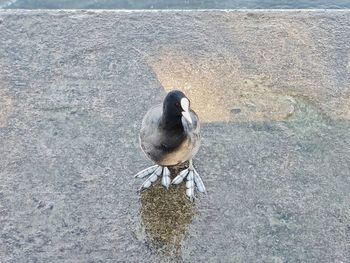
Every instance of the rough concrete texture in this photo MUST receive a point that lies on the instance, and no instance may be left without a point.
(171, 4)
(272, 90)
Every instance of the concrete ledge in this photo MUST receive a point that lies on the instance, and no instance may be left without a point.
(272, 89)
(297, 53)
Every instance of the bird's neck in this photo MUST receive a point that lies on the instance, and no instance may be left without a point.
(172, 123)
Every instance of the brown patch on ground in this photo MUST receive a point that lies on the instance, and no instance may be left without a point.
(166, 215)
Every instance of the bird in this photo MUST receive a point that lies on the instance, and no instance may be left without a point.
(170, 136)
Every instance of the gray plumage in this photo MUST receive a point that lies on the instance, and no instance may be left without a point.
(170, 135)
(168, 147)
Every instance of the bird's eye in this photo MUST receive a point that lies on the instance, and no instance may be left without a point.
(177, 104)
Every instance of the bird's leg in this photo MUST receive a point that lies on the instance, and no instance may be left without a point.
(166, 177)
(193, 179)
(153, 172)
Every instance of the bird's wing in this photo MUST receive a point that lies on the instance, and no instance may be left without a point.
(149, 133)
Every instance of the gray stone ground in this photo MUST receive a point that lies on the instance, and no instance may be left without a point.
(271, 88)
(171, 4)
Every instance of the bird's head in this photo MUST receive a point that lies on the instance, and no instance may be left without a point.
(176, 104)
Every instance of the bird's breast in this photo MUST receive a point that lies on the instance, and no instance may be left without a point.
(179, 155)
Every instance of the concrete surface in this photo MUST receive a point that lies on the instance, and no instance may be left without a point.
(171, 4)
(271, 88)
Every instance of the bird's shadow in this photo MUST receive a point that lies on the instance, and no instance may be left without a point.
(165, 216)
